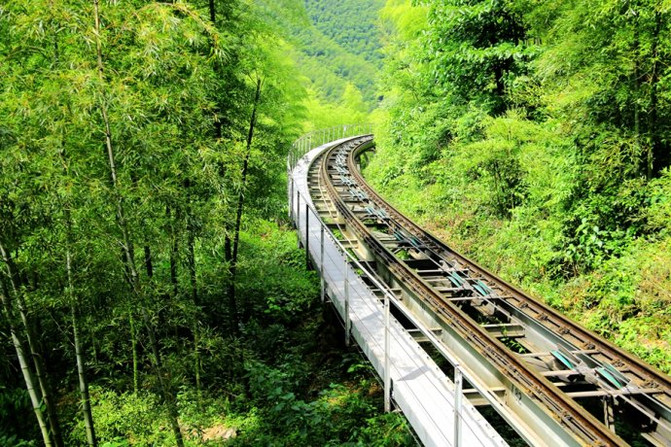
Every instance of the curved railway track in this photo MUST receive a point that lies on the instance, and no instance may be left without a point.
(561, 367)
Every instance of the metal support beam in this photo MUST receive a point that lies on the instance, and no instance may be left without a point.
(321, 263)
(298, 216)
(291, 200)
(609, 413)
(387, 355)
(321, 250)
(307, 236)
(458, 396)
(348, 322)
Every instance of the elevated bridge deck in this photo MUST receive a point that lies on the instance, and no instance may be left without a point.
(551, 380)
(424, 394)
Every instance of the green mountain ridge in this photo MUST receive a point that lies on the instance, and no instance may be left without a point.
(350, 23)
(331, 53)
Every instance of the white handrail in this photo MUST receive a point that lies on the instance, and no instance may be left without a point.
(299, 149)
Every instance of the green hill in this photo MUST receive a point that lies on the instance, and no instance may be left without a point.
(350, 23)
(337, 47)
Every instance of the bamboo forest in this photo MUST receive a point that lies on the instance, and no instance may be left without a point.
(158, 282)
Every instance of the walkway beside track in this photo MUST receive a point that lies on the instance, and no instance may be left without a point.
(419, 388)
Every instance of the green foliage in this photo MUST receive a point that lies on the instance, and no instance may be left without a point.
(352, 24)
(122, 155)
(121, 418)
(603, 69)
(658, 215)
(272, 276)
(473, 49)
(333, 418)
(323, 114)
(14, 431)
(337, 57)
(533, 136)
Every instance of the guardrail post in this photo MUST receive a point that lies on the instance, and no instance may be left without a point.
(291, 201)
(307, 236)
(298, 216)
(387, 355)
(348, 322)
(458, 395)
(321, 263)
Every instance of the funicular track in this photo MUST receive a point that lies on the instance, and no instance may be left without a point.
(551, 377)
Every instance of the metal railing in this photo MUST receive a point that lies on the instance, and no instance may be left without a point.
(305, 215)
(316, 138)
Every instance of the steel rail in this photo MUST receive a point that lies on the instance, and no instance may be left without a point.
(646, 372)
(571, 415)
(644, 375)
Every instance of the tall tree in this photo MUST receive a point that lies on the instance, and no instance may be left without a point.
(474, 48)
(604, 69)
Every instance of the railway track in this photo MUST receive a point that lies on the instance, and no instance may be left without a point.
(549, 374)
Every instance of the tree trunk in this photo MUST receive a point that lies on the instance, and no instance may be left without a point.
(191, 260)
(40, 373)
(148, 263)
(241, 199)
(637, 92)
(167, 395)
(133, 344)
(83, 383)
(174, 250)
(28, 376)
(232, 302)
(81, 374)
(191, 251)
(213, 12)
(654, 145)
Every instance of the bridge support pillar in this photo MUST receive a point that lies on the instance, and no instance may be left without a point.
(291, 202)
(298, 216)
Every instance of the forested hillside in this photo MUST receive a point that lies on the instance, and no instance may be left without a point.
(151, 290)
(535, 137)
(353, 24)
(342, 79)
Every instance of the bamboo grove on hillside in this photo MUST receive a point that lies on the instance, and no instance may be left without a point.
(126, 131)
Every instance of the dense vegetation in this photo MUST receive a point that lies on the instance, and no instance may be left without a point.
(535, 137)
(151, 291)
(342, 78)
(350, 23)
